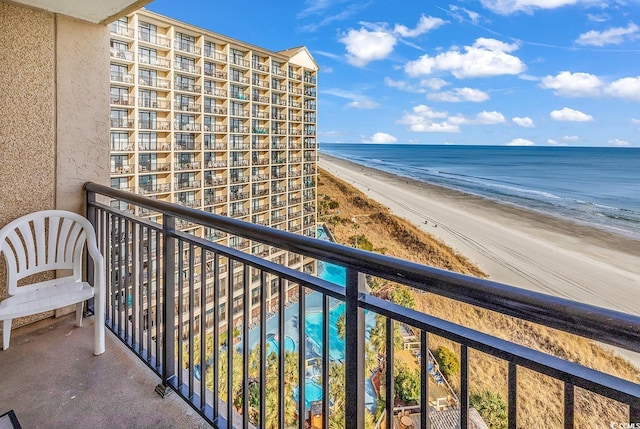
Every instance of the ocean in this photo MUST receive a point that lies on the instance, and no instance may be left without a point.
(594, 185)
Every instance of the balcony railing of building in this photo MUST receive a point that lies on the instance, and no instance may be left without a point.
(153, 104)
(121, 54)
(121, 77)
(183, 46)
(186, 184)
(121, 30)
(172, 339)
(187, 67)
(121, 123)
(187, 87)
(155, 82)
(155, 61)
(154, 125)
(154, 39)
(216, 55)
(187, 107)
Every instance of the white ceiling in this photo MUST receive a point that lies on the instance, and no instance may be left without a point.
(96, 11)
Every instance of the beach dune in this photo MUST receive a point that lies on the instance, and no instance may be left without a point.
(512, 245)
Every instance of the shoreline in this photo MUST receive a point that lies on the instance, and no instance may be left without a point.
(513, 245)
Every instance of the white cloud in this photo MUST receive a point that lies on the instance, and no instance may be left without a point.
(619, 143)
(426, 23)
(403, 85)
(326, 70)
(573, 84)
(364, 46)
(627, 88)
(570, 115)
(460, 94)
(434, 83)
(380, 137)
(423, 119)
(612, 36)
(570, 84)
(376, 41)
(486, 57)
(565, 140)
(474, 17)
(635, 121)
(520, 142)
(507, 7)
(525, 122)
(363, 104)
(358, 101)
(488, 118)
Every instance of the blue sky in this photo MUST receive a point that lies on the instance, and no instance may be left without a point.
(490, 72)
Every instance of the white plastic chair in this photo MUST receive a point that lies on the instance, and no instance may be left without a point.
(51, 240)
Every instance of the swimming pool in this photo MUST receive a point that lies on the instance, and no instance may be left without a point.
(326, 270)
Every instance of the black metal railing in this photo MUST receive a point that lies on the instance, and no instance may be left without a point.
(184, 324)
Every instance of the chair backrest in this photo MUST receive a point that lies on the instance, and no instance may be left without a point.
(44, 241)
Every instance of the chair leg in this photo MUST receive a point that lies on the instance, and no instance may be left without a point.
(6, 333)
(79, 309)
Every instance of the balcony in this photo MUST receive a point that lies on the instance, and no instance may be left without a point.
(154, 39)
(155, 61)
(156, 348)
(184, 46)
(187, 87)
(154, 82)
(121, 54)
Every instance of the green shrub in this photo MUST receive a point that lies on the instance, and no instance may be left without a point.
(447, 361)
(491, 407)
(333, 205)
(403, 296)
(407, 385)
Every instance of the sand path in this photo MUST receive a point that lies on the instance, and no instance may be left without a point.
(514, 246)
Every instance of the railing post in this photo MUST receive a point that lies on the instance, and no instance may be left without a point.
(354, 351)
(92, 218)
(168, 305)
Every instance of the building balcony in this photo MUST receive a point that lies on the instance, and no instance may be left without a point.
(239, 62)
(155, 61)
(187, 87)
(153, 167)
(122, 101)
(187, 68)
(215, 110)
(121, 54)
(188, 126)
(155, 125)
(235, 196)
(154, 39)
(155, 82)
(187, 107)
(122, 123)
(183, 46)
(121, 77)
(260, 99)
(186, 184)
(216, 181)
(150, 347)
(216, 55)
(154, 103)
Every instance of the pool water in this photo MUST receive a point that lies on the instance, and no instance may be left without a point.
(326, 270)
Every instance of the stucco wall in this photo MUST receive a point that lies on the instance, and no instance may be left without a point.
(54, 130)
(27, 103)
(82, 109)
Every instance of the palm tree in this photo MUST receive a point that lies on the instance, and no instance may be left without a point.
(341, 326)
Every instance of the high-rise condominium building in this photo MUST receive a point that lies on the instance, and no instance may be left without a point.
(213, 123)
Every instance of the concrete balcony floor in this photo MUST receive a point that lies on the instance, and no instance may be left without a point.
(50, 378)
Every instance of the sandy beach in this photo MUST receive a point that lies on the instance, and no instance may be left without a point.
(512, 245)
